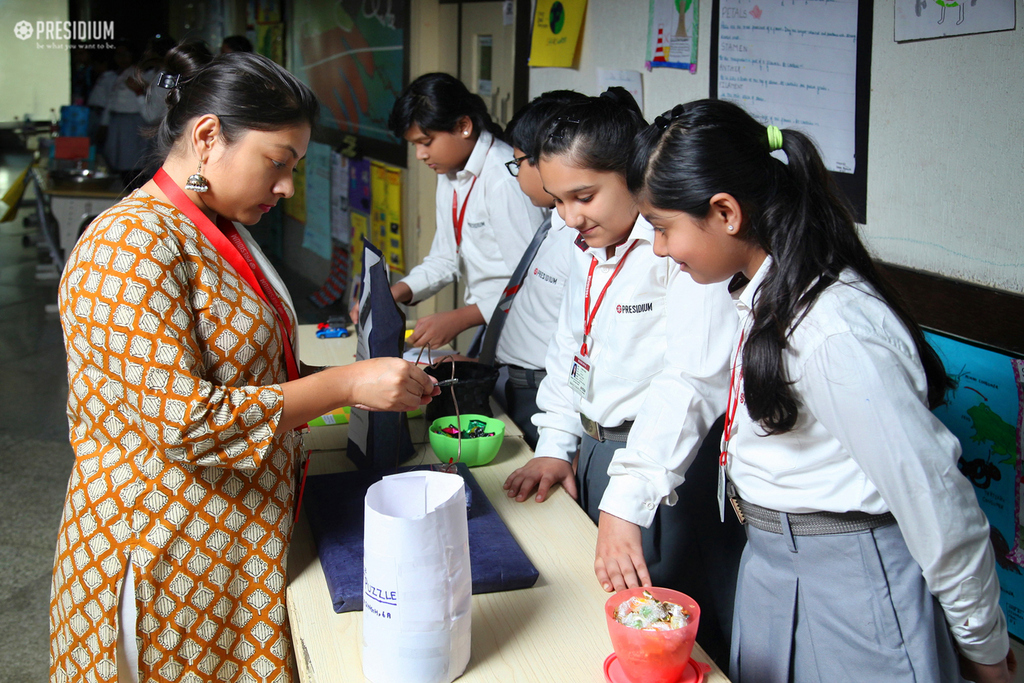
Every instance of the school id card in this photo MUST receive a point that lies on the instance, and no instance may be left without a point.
(579, 376)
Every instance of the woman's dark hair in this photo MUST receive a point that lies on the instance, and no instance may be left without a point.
(596, 134)
(437, 101)
(246, 91)
(792, 210)
(524, 130)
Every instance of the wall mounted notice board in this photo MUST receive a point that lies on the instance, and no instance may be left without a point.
(355, 56)
(802, 64)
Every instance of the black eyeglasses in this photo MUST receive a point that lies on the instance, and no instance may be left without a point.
(513, 166)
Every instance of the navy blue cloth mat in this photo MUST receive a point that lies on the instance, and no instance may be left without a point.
(334, 508)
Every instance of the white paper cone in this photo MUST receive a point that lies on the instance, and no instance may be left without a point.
(417, 586)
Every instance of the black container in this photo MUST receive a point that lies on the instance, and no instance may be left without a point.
(473, 390)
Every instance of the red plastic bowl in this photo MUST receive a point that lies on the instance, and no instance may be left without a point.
(653, 656)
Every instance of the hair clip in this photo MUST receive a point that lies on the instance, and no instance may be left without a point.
(558, 131)
(167, 81)
(663, 121)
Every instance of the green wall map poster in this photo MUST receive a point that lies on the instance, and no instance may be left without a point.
(984, 412)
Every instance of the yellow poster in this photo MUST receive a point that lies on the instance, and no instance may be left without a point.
(358, 221)
(393, 237)
(378, 204)
(295, 206)
(556, 32)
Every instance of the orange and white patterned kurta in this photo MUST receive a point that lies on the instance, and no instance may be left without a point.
(174, 365)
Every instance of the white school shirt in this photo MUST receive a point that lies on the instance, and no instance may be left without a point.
(865, 440)
(122, 100)
(628, 355)
(499, 223)
(533, 318)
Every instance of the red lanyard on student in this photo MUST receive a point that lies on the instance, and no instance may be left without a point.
(458, 217)
(730, 405)
(232, 247)
(588, 315)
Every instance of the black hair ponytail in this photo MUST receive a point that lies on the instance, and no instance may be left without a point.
(596, 134)
(436, 101)
(246, 91)
(792, 210)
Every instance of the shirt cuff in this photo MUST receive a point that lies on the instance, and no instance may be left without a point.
(555, 443)
(630, 498)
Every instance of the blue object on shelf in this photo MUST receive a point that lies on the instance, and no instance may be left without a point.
(334, 508)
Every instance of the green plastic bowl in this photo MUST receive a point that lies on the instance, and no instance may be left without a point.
(475, 452)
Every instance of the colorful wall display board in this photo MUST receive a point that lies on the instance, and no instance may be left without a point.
(672, 35)
(986, 413)
(352, 54)
(557, 26)
(393, 250)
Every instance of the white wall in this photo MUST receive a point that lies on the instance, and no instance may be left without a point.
(35, 74)
(946, 140)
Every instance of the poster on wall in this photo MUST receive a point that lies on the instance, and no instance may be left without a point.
(352, 54)
(556, 32)
(804, 66)
(985, 412)
(922, 19)
(672, 35)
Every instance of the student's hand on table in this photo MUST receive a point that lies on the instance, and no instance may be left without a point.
(437, 329)
(619, 561)
(1001, 672)
(391, 384)
(541, 473)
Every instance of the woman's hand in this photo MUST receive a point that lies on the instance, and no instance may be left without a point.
(541, 473)
(619, 561)
(1001, 672)
(390, 384)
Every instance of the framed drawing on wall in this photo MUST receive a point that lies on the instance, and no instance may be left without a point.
(354, 56)
(805, 66)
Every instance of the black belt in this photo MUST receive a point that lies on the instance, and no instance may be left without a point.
(523, 378)
(808, 523)
(599, 433)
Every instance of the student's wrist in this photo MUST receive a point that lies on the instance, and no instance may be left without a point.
(401, 292)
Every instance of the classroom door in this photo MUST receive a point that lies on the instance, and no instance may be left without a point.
(488, 56)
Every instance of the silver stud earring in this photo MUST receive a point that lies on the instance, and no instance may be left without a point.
(731, 229)
(196, 182)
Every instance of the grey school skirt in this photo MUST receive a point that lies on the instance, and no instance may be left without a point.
(835, 608)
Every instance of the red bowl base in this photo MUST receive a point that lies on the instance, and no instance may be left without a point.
(694, 672)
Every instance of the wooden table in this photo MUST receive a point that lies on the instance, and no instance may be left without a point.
(554, 631)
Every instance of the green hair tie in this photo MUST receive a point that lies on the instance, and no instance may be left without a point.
(774, 138)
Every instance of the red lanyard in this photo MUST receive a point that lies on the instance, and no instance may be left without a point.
(232, 247)
(458, 217)
(588, 315)
(730, 405)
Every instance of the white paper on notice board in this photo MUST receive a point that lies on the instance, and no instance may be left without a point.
(317, 237)
(341, 227)
(794, 66)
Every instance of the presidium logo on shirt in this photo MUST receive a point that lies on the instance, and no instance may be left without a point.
(635, 308)
(544, 276)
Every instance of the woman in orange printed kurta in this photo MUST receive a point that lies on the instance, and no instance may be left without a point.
(181, 410)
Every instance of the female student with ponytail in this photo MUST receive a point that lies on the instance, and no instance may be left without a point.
(484, 221)
(634, 335)
(867, 555)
